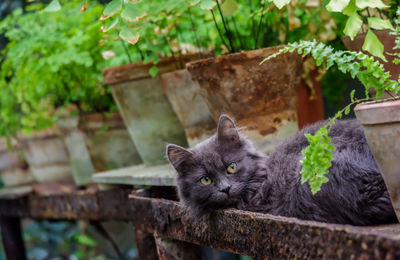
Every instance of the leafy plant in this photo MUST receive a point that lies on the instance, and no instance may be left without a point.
(371, 73)
(53, 59)
(360, 13)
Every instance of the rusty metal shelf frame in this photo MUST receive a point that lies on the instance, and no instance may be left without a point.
(260, 236)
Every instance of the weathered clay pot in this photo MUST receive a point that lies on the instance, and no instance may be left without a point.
(47, 156)
(189, 106)
(389, 43)
(108, 141)
(148, 115)
(97, 143)
(381, 122)
(81, 164)
(13, 169)
(264, 98)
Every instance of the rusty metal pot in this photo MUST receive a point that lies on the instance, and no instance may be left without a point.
(262, 98)
(381, 122)
(189, 106)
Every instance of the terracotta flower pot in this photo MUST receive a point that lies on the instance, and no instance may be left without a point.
(47, 156)
(264, 98)
(148, 115)
(13, 169)
(389, 42)
(189, 106)
(381, 122)
(97, 143)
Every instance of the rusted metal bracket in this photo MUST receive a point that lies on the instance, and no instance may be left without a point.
(256, 235)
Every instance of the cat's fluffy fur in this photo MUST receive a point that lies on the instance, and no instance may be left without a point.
(355, 193)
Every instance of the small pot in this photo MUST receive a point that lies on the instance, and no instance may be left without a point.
(381, 123)
(96, 143)
(13, 169)
(148, 115)
(109, 144)
(264, 98)
(47, 156)
(189, 106)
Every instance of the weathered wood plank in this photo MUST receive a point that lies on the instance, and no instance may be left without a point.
(159, 175)
(257, 235)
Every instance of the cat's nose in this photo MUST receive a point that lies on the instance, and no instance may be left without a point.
(225, 189)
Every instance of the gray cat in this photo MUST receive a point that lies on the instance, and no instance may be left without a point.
(226, 171)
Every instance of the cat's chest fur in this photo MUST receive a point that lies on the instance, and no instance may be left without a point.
(355, 193)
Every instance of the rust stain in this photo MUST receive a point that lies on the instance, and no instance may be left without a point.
(268, 131)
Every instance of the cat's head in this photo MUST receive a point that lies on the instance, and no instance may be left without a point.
(216, 173)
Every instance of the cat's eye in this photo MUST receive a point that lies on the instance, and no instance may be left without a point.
(232, 167)
(206, 180)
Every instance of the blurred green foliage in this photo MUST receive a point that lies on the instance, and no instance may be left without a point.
(52, 60)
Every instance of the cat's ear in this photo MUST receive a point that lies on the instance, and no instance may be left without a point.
(176, 155)
(227, 131)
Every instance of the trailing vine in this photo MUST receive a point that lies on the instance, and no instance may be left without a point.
(318, 155)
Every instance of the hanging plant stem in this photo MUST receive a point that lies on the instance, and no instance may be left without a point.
(219, 31)
(140, 51)
(259, 26)
(227, 31)
(237, 34)
(194, 32)
(126, 51)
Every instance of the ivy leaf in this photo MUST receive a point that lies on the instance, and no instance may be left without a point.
(207, 4)
(353, 25)
(337, 5)
(193, 2)
(280, 3)
(350, 8)
(85, 240)
(371, 4)
(126, 34)
(54, 6)
(132, 13)
(111, 8)
(111, 26)
(373, 45)
(379, 24)
(153, 71)
(229, 7)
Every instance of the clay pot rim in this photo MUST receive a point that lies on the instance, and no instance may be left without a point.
(108, 79)
(378, 112)
(219, 59)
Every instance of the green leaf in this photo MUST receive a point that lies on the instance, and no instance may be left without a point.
(128, 35)
(280, 3)
(229, 7)
(133, 13)
(353, 25)
(352, 95)
(350, 8)
(193, 2)
(379, 24)
(373, 45)
(337, 5)
(207, 4)
(111, 26)
(371, 4)
(85, 240)
(111, 8)
(153, 71)
(54, 6)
